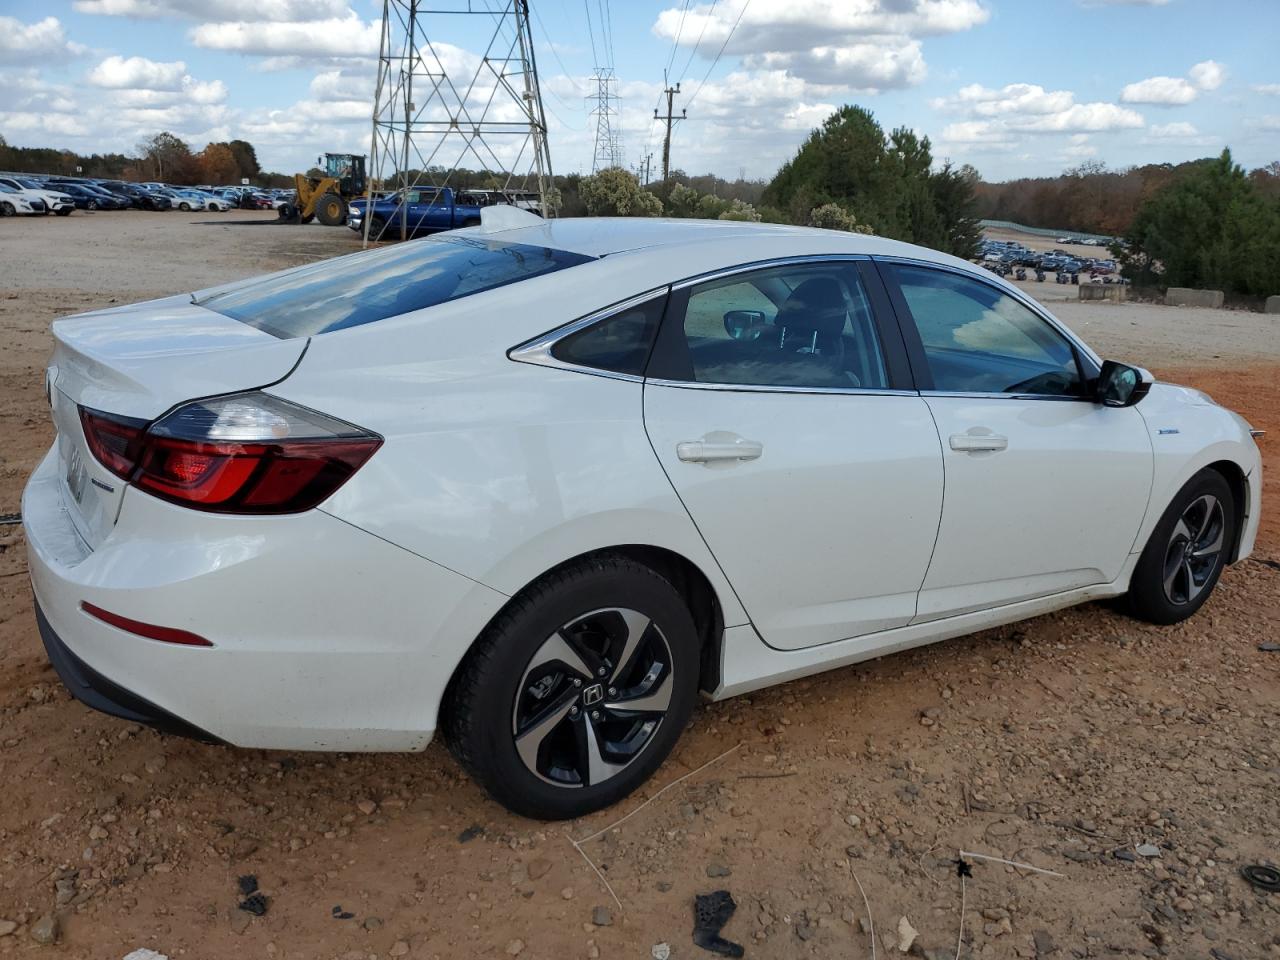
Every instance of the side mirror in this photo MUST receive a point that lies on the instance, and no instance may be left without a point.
(1120, 385)
(744, 324)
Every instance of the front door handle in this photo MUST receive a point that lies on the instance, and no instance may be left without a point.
(975, 443)
(705, 451)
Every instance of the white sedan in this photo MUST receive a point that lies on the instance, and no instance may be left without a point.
(539, 484)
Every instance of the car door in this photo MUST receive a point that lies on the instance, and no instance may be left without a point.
(1045, 489)
(779, 402)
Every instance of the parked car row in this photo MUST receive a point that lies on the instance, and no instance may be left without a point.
(40, 194)
(995, 254)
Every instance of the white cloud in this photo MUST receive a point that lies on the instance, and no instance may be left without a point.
(1176, 91)
(1164, 91)
(1165, 131)
(866, 45)
(1268, 89)
(37, 42)
(868, 67)
(349, 36)
(1207, 75)
(1029, 108)
(138, 73)
(215, 10)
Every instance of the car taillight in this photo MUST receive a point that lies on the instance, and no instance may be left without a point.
(114, 441)
(247, 453)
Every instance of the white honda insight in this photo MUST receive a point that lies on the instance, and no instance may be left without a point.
(538, 484)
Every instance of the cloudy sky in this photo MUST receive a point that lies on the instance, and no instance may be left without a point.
(1014, 87)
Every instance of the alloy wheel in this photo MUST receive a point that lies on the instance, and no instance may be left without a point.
(1194, 550)
(592, 697)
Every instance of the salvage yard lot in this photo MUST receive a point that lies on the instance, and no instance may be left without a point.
(1065, 742)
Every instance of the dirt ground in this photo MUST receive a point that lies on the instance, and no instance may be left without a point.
(1064, 742)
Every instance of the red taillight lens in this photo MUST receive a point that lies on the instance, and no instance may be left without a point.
(249, 453)
(114, 441)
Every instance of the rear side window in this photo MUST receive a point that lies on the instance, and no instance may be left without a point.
(376, 284)
(618, 344)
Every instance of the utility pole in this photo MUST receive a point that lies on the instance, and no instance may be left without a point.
(646, 169)
(669, 119)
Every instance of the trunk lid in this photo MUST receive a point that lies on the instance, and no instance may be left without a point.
(140, 361)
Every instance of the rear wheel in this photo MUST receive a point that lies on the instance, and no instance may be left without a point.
(577, 691)
(331, 210)
(1183, 560)
(288, 213)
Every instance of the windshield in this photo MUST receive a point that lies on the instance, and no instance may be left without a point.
(376, 284)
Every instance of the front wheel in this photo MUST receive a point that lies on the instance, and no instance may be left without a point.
(65, 211)
(1183, 560)
(6, 209)
(577, 691)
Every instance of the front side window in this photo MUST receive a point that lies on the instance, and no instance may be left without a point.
(978, 339)
(800, 325)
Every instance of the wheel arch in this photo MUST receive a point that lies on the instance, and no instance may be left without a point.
(687, 577)
(1234, 475)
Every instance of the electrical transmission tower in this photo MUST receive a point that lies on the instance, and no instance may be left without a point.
(608, 148)
(429, 121)
(670, 119)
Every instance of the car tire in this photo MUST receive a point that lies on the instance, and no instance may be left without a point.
(537, 712)
(91, 205)
(65, 211)
(377, 226)
(6, 209)
(331, 210)
(184, 206)
(1186, 552)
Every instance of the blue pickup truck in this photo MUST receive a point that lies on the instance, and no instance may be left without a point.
(429, 210)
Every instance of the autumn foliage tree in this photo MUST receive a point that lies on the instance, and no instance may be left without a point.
(218, 164)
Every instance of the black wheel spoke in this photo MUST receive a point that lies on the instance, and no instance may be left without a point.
(592, 696)
(1194, 551)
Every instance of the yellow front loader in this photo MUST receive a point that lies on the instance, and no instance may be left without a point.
(325, 198)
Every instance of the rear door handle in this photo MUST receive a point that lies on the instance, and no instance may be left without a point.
(974, 443)
(704, 451)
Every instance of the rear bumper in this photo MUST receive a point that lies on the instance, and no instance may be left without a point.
(96, 691)
(324, 636)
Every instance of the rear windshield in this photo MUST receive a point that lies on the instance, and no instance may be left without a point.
(377, 284)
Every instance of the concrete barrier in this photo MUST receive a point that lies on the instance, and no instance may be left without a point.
(1187, 297)
(1273, 304)
(1115, 292)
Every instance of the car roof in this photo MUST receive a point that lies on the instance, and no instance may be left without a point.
(609, 236)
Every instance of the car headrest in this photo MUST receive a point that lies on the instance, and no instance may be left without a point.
(817, 304)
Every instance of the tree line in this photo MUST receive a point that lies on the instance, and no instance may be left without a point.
(848, 175)
(1091, 198)
(163, 157)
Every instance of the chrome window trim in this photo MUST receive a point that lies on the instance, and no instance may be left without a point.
(976, 395)
(538, 350)
(1009, 290)
(765, 265)
(770, 388)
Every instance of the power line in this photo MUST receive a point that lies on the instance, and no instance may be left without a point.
(595, 58)
(675, 44)
(546, 34)
(701, 33)
(719, 54)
